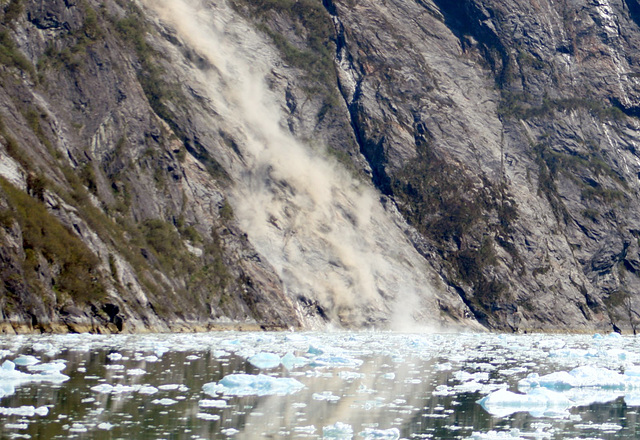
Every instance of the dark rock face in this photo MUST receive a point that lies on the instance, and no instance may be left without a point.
(503, 132)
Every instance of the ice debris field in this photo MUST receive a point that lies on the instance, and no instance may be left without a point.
(342, 385)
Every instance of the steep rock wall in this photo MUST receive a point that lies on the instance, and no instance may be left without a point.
(502, 134)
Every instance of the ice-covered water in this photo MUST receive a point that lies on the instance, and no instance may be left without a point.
(346, 385)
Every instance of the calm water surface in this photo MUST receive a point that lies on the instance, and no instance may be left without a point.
(318, 385)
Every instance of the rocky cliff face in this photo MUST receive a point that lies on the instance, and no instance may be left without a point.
(501, 137)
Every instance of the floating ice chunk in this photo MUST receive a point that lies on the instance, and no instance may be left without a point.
(538, 402)
(513, 434)
(463, 376)
(51, 367)
(390, 376)
(607, 427)
(590, 395)
(106, 426)
(116, 367)
(192, 357)
(380, 434)
(311, 429)
(205, 416)
(206, 403)
(10, 377)
(249, 385)
(7, 389)
(8, 366)
(26, 359)
(336, 361)
(114, 356)
(148, 389)
(25, 411)
(16, 426)
(78, 427)
(169, 387)
(325, 395)
(350, 375)
(265, 361)
(443, 367)
(229, 431)
(136, 372)
(165, 401)
(315, 350)
(473, 386)
(585, 376)
(290, 361)
(443, 390)
(338, 431)
(512, 371)
(102, 388)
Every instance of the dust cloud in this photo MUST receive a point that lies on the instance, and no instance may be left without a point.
(326, 234)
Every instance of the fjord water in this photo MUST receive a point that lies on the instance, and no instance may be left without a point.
(319, 385)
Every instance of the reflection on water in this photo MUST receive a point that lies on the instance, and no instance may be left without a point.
(380, 385)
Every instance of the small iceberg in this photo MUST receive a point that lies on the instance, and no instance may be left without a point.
(338, 431)
(253, 385)
(380, 434)
(538, 402)
(265, 361)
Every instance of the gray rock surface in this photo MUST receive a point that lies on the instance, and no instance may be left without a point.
(502, 136)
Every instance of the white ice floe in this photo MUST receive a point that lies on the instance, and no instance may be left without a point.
(380, 434)
(539, 402)
(325, 395)
(25, 360)
(25, 411)
(290, 361)
(136, 372)
(311, 429)
(248, 384)
(606, 427)
(338, 431)
(207, 403)
(54, 367)
(165, 401)
(105, 426)
(210, 417)
(78, 427)
(513, 434)
(148, 389)
(335, 361)
(265, 361)
(10, 377)
(584, 376)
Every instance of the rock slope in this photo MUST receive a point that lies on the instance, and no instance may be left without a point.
(500, 135)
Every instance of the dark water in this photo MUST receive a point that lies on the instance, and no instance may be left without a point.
(355, 385)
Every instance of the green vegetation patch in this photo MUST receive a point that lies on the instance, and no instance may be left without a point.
(10, 55)
(77, 267)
